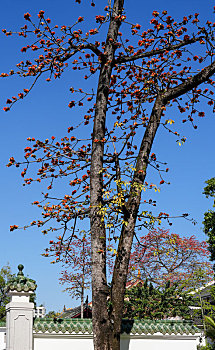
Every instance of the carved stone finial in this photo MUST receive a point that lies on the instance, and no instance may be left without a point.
(20, 268)
(20, 283)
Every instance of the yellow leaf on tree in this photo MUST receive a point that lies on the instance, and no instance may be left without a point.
(169, 121)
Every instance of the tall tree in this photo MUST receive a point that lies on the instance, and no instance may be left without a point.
(160, 257)
(77, 273)
(141, 72)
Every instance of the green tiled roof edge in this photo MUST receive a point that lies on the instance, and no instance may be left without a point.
(84, 326)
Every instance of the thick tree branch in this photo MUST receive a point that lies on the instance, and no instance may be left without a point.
(126, 237)
(189, 84)
(157, 52)
(132, 207)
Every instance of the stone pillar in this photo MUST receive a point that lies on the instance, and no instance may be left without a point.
(20, 313)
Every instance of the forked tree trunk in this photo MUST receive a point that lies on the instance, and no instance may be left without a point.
(107, 324)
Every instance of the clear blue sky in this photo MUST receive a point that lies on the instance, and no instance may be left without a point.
(44, 113)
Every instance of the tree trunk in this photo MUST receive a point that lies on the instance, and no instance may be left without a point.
(82, 302)
(102, 330)
(83, 281)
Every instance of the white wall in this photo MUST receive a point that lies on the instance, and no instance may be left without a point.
(85, 342)
(164, 343)
(62, 342)
(2, 338)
